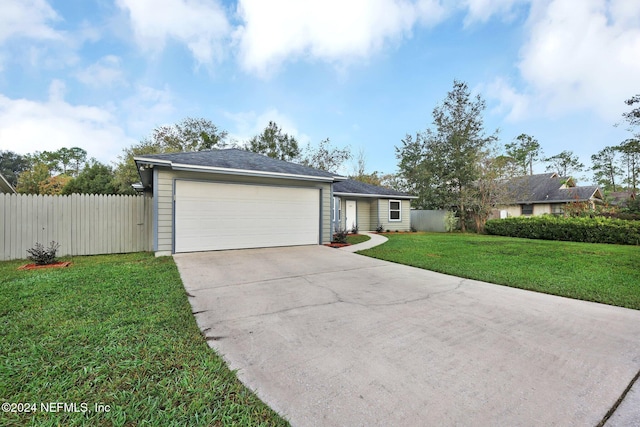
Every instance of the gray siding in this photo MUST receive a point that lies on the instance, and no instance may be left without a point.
(364, 214)
(165, 180)
(373, 212)
(383, 216)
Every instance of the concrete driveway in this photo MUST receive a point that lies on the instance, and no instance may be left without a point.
(330, 338)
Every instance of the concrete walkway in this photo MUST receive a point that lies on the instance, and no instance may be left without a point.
(375, 240)
(330, 338)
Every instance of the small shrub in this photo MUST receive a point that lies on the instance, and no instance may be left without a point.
(379, 229)
(354, 230)
(450, 222)
(576, 229)
(412, 229)
(43, 256)
(340, 236)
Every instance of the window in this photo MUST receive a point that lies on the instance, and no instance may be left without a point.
(395, 210)
(557, 209)
(527, 209)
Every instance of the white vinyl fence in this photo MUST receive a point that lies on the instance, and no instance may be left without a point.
(428, 220)
(83, 224)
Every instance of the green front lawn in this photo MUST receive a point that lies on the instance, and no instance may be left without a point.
(354, 239)
(603, 273)
(118, 331)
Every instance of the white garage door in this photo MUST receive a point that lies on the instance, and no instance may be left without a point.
(214, 216)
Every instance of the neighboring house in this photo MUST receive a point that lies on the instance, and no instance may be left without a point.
(236, 199)
(370, 206)
(620, 198)
(545, 194)
(5, 187)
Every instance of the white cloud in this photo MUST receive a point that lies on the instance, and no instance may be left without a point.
(582, 56)
(103, 73)
(483, 10)
(27, 126)
(511, 103)
(331, 30)
(249, 124)
(147, 108)
(200, 24)
(28, 19)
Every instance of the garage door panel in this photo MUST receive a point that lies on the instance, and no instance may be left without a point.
(213, 216)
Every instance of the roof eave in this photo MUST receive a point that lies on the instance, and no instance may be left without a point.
(374, 196)
(5, 186)
(538, 202)
(231, 171)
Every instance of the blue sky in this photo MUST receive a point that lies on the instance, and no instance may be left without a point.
(102, 74)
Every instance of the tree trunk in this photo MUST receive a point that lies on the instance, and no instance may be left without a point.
(463, 216)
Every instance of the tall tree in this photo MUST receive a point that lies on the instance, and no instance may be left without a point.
(630, 150)
(490, 188)
(411, 169)
(274, 143)
(51, 159)
(188, 135)
(30, 180)
(77, 159)
(325, 156)
(12, 165)
(448, 155)
(360, 170)
(605, 168)
(525, 150)
(97, 178)
(67, 161)
(632, 117)
(565, 163)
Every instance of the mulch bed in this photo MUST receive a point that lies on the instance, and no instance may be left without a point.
(337, 245)
(37, 267)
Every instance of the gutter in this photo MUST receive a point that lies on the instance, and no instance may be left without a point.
(374, 196)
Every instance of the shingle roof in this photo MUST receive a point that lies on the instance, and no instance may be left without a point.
(351, 186)
(546, 188)
(235, 159)
(620, 198)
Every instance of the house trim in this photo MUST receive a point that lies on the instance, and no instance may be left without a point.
(373, 196)
(399, 210)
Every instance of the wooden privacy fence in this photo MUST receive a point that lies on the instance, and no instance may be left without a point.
(83, 224)
(428, 220)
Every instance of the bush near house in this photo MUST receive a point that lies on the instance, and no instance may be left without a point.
(548, 227)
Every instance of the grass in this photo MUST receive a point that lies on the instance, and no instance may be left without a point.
(602, 273)
(354, 239)
(115, 330)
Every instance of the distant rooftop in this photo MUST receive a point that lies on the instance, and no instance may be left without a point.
(549, 187)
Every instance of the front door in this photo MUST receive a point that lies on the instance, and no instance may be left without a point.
(350, 216)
